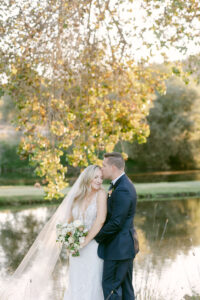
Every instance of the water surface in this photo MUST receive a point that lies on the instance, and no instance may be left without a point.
(167, 267)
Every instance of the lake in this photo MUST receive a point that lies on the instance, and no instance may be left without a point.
(167, 266)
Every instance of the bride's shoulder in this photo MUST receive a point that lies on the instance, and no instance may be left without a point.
(102, 192)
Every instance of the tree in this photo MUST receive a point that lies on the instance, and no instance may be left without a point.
(7, 109)
(174, 131)
(73, 70)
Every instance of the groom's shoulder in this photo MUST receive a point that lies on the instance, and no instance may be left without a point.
(126, 184)
(127, 181)
(130, 181)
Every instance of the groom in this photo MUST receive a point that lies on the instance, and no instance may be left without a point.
(116, 242)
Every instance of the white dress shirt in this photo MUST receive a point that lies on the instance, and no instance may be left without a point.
(114, 180)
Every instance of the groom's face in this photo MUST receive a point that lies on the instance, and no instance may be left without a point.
(107, 169)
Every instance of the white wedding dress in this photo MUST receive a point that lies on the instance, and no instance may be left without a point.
(85, 271)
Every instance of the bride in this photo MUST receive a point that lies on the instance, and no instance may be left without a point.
(32, 279)
(90, 206)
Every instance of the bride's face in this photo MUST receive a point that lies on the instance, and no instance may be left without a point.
(97, 180)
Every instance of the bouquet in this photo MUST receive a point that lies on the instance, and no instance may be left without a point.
(72, 235)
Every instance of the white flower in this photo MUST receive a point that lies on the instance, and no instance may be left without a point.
(81, 240)
(77, 223)
(70, 227)
(60, 239)
(64, 231)
(70, 240)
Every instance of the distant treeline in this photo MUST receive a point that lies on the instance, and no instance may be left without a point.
(10, 163)
(174, 141)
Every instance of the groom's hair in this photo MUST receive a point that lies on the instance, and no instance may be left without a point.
(116, 159)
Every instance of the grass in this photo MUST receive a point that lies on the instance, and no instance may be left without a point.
(20, 195)
(168, 190)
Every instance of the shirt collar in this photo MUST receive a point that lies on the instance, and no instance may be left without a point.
(115, 180)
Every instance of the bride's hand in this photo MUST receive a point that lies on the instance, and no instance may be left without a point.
(84, 243)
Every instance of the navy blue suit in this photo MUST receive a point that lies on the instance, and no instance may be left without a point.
(116, 243)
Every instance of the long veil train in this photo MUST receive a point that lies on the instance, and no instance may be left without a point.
(32, 278)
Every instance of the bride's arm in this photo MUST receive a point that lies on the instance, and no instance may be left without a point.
(101, 216)
(71, 219)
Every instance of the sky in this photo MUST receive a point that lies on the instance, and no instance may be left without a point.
(136, 14)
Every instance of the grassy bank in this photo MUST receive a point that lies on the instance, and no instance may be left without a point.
(20, 195)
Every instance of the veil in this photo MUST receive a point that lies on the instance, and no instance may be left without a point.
(32, 277)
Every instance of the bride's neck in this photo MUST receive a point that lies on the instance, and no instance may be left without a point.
(91, 193)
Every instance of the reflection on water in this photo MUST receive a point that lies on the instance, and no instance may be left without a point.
(18, 231)
(167, 267)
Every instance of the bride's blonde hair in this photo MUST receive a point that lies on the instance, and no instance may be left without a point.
(85, 184)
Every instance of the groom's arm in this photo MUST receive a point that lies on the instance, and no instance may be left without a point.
(121, 205)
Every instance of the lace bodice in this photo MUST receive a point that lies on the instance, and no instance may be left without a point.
(89, 216)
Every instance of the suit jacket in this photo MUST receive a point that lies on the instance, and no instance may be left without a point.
(115, 238)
